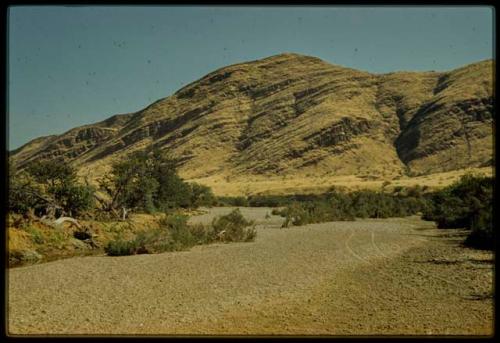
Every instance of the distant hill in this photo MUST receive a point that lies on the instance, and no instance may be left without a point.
(297, 115)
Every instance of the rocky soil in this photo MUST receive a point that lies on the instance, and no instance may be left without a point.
(376, 277)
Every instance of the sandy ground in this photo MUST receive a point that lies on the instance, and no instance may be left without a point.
(376, 277)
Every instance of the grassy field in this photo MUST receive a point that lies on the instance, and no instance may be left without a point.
(316, 185)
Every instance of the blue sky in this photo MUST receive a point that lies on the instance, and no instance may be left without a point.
(70, 66)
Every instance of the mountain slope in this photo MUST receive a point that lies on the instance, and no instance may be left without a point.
(454, 128)
(297, 115)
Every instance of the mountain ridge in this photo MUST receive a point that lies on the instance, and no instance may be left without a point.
(291, 114)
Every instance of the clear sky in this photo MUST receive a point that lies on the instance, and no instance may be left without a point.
(70, 66)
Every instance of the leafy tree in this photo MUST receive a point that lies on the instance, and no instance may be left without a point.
(49, 184)
(201, 195)
(74, 199)
(460, 204)
(148, 180)
(25, 193)
(131, 183)
(52, 173)
(172, 191)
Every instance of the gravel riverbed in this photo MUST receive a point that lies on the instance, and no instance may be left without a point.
(376, 277)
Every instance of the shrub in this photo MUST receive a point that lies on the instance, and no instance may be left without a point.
(145, 242)
(174, 221)
(120, 247)
(460, 204)
(337, 205)
(232, 201)
(251, 233)
(155, 241)
(36, 235)
(175, 234)
(269, 200)
(233, 228)
(467, 203)
(481, 235)
(182, 237)
(279, 211)
(296, 214)
(179, 232)
(201, 234)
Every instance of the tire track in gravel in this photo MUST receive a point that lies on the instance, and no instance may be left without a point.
(376, 267)
(456, 286)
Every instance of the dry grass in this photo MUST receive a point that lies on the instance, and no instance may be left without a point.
(53, 243)
(279, 185)
(19, 240)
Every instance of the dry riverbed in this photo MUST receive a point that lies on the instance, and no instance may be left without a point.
(376, 277)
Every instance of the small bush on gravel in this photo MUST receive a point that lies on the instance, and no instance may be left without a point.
(174, 221)
(233, 227)
(145, 242)
(153, 241)
(172, 235)
(120, 247)
(180, 232)
(175, 234)
(201, 233)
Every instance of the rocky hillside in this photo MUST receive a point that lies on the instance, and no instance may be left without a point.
(297, 115)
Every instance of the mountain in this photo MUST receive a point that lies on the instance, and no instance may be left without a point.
(298, 115)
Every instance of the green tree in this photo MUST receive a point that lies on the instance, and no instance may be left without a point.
(74, 198)
(52, 173)
(461, 203)
(172, 190)
(148, 181)
(25, 193)
(49, 184)
(131, 183)
(467, 203)
(201, 195)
